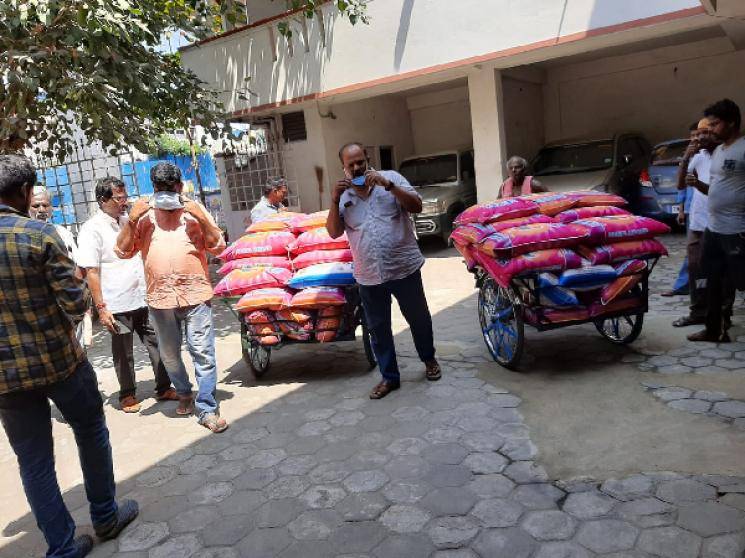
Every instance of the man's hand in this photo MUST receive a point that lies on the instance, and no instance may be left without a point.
(691, 179)
(139, 208)
(339, 188)
(107, 320)
(691, 150)
(193, 209)
(681, 217)
(373, 178)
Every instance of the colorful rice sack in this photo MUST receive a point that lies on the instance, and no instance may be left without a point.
(227, 254)
(621, 304)
(321, 256)
(577, 213)
(530, 238)
(503, 271)
(467, 252)
(610, 253)
(240, 281)
(630, 267)
(551, 203)
(591, 198)
(330, 312)
(499, 210)
(473, 233)
(587, 278)
(257, 261)
(328, 324)
(282, 221)
(264, 299)
(293, 315)
(269, 340)
(312, 221)
(620, 286)
(259, 317)
(318, 297)
(297, 331)
(263, 329)
(617, 228)
(323, 275)
(551, 294)
(262, 244)
(317, 239)
(325, 336)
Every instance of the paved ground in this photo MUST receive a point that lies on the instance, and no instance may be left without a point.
(589, 450)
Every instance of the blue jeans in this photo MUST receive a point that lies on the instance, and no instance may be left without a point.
(26, 417)
(200, 340)
(681, 283)
(376, 301)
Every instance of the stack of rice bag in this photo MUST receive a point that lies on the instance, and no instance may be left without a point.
(585, 251)
(290, 275)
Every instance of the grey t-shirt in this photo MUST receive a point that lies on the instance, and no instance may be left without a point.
(727, 189)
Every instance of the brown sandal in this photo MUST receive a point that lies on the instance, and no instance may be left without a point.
(185, 405)
(214, 423)
(434, 372)
(383, 389)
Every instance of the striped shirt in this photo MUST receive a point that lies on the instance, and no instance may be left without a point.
(40, 300)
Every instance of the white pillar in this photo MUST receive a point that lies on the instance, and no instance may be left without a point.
(487, 123)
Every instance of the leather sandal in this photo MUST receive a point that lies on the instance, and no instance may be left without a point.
(705, 336)
(130, 404)
(185, 405)
(433, 372)
(383, 389)
(214, 423)
(168, 395)
(686, 321)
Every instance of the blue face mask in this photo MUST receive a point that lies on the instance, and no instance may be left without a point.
(166, 200)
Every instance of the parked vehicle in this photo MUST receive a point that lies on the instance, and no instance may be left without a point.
(446, 182)
(659, 190)
(614, 165)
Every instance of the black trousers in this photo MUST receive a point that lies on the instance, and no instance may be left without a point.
(136, 321)
(697, 281)
(723, 261)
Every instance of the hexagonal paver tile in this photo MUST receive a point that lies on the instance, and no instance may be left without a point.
(197, 464)
(526, 472)
(248, 435)
(226, 470)
(709, 518)
(286, 487)
(629, 488)
(364, 506)
(227, 531)
(406, 491)
(368, 459)
(448, 501)
(695, 406)
(588, 505)
(241, 502)
(365, 481)
(216, 552)
(549, 525)
(156, 476)
(142, 536)
(406, 467)
(512, 542)
(564, 549)
(314, 525)
(685, 490)
(443, 435)
(405, 546)
(504, 400)
(448, 475)
(519, 449)
(485, 463)
(672, 393)
(323, 496)
(730, 409)
(182, 545)
(405, 519)
(732, 545)
(497, 512)
(670, 542)
(407, 446)
(193, 519)
(607, 535)
(360, 536)
(491, 486)
(264, 542)
(482, 441)
(406, 414)
(452, 532)
(329, 473)
(211, 493)
(255, 479)
(277, 513)
(297, 465)
(263, 459)
(447, 453)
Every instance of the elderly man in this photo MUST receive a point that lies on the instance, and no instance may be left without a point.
(518, 183)
(275, 193)
(373, 208)
(174, 235)
(118, 289)
(40, 359)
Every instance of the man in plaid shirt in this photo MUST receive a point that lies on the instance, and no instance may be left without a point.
(41, 300)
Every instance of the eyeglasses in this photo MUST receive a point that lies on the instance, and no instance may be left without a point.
(120, 198)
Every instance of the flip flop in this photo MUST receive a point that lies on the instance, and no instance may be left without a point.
(383, 389)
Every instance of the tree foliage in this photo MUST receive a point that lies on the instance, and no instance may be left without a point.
(93, 67)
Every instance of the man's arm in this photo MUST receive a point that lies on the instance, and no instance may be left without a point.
(104, 316)
(537, 187)
(70, 292)
(685, 164)
(692, 180)
(407, 197)
(334, 222)
(213, 240)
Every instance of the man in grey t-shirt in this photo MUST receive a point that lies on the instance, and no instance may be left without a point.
(724, 238)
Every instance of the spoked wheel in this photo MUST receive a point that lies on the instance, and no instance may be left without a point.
(256, 356)
(366, 338)
(501, 323)
(621, 330)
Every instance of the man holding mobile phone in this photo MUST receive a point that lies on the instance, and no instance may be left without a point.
(118, 289)
(373, 208)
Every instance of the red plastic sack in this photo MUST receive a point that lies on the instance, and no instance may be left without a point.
(310, 222)
(473, 233)
(571, 215)
(317, 239)
(530, 238)
(318, 297)
(264, 299)
(282, 221)
(551, 203)
(591, 198)
(620, 286)
(544, 260)
(325, 336)
(467, 251)
(616, 228)
(262, 244)
(499, 210)
(307, 259)
(610, 253)
(294, 315)
(630, 267)
(240, 281)
(258, 261)
(259, 317)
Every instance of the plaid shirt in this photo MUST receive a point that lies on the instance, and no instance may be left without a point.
(40, 298)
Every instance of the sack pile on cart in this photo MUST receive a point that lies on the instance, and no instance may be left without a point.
(584, 252)
(290, 276)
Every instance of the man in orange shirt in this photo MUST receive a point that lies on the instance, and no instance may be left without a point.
(174, 235)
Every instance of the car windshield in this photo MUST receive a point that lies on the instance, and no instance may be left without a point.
(425, 171)
(569, 159)
(669, 153)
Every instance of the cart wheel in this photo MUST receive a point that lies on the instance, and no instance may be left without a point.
(256, 356)
(367, 343)
(621, 330)
(501, 324)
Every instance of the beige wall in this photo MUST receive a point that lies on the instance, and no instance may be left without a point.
(440, 120)
(523, 117)
(658, 92)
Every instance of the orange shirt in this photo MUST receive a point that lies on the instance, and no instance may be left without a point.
(174, 253)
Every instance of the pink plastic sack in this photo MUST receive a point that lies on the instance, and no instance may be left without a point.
(630, 267)
(317, 239)
(312, 221)
(499, 210)
(330, 312)
(282, 221)
(227, 254)
(617, 228)
(620, 286)
(263, 244)
(530, 238)
(591, 198)
(328, 324)
(257, 261)
(263, 329)
(473, 233)
(259, 317)
(467, 251)
(293, 315)
(240, 281)
(264, 299)
(610, 253)
(269, 340)
(544, 260)
(297, 331)
(571, 215)
(318, 297)
(307, 259)
(325, 336)
(551, 203)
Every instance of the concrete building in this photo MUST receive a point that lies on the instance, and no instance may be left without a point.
(505, 76)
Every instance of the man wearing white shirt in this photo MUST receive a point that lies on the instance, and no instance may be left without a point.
(118, 289)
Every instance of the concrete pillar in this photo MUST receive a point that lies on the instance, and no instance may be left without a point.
(487, 122)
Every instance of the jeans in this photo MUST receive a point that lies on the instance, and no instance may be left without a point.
(137, 322)
(723, 260)
(376, 301)
(681, 283)
(26, 417)
(200, 340)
